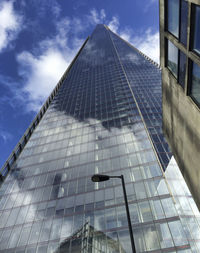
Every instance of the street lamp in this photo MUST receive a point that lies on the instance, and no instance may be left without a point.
(101, 178)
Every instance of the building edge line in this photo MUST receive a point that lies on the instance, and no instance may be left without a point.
(24, 139)
(141, 53)
(149, 137)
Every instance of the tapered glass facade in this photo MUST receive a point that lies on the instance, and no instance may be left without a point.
(105, 118)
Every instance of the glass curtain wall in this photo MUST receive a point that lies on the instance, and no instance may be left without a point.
(49, 204)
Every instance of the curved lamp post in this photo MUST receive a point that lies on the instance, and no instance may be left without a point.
(101, 178)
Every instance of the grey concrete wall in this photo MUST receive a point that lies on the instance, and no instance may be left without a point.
(181, 116)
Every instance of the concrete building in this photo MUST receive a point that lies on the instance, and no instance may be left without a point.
(104, 116)
(180, 62)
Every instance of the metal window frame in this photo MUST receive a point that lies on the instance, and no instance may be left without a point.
(166, 20)
(190, 71)
(192, 28)
(166, 59)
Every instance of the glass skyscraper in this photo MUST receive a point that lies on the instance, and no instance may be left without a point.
(105, 117)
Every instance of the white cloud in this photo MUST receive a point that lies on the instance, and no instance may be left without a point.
(146, 41)
(5, 135)
(102, 14)
(10, 24)
(42, 74)
(42, 70)
(149, 3)
(42, 67)
(96, 17)
(114, 24)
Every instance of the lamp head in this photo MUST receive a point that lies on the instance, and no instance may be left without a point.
(99, 178)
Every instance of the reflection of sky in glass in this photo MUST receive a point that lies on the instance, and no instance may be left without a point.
(195, 89)
(173, 17)
(92, 125)
(197, 30)
(182, 68)
(172, 62)
(145, 82)
(184, 202)
(184, 22)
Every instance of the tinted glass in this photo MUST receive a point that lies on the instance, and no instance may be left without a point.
(197, 30)
(173, 17)
(184, 18)
(182, 68)
(172, 60)
(48, 202)
(195, 89)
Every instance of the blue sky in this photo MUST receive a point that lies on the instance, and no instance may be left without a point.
(38, 40)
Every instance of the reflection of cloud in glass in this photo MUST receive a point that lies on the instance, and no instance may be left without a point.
(134, 58)
(184, 202)
(172, 52)
(173, 16)
(100, 141)
(94, 54)
(195, 89)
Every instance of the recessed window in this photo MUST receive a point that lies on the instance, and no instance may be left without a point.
(184, 22)
(172, 59)
(173, 17)
(196, 42)
(195, 84)
(182, 68)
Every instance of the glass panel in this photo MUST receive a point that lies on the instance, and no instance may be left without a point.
(4, 238)
(145, 212)
(184, 19)
(195, 89)
(172, 60)
(168, 207)
(157, 209)
(151, 237)
(56, 229)
(45, 231)
(173, 17)
(14, 237)
(164, 235)
(72, 129)
(182, 68)
(178, 233)
(24, 235)
(196, 44)
(35, 231)
(139, 239)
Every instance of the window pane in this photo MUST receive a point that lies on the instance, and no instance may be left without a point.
(172, 62)
(173, 17)
(178, 233)
(195, 89)
(197, 30)
(184, 18)
(182, 68)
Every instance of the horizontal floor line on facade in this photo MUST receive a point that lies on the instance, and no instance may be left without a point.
(134, 225)
(31, 190)
(85, 163)
(88, 151)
